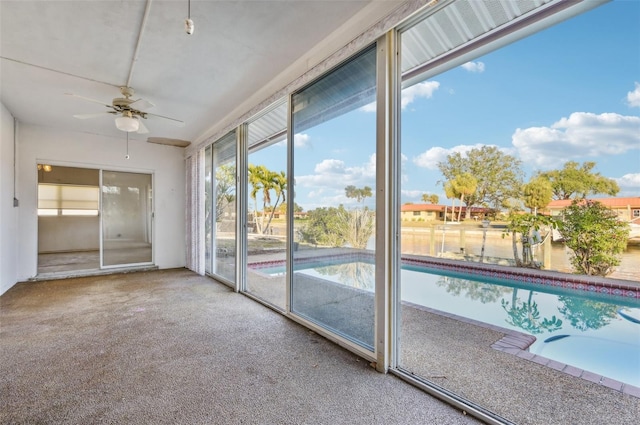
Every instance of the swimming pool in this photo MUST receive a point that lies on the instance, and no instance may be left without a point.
(588, 330)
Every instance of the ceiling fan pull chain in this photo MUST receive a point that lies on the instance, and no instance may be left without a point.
(188, 23)
(127, 155)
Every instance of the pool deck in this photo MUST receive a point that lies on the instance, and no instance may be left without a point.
(517, 344)
(511, 342)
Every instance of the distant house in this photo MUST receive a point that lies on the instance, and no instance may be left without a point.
(628, 209)
(429, 212)
(421, 212)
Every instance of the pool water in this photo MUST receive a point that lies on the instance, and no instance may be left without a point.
(594, 332)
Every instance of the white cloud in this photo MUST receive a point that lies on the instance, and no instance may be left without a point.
(425, 89)
(583, 134)
(369, 107)
(633, 97)
(330, 176)
(330, 166)
(414, 194)
(301, 140)
(629, 183)
(404, 177)
(473, 66)
(430, 158)
(409, 95)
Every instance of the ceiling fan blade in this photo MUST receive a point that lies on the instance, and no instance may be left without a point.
(141, 105)
(85, 116)
(88, 99)
(142, 129)
(173, 120)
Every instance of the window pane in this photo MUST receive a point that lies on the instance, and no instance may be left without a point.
(224, 207)
(334, 170)
(472, 136)
(126, 218)
(267, 189)
(208, 209)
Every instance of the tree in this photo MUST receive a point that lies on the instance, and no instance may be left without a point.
(527, 316)
(498, 175)
(595, 235)
(225, 186)
(525, 225)
(537, 194)
(263, 181)
(450, 193)
(432, 199)
(464, 184)
(357, 225)
(575, 181)
(586, 314)
(322, 228)
(356, 274)
(472, 289)
(358, 193)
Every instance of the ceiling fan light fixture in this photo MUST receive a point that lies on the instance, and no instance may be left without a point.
(127, 122)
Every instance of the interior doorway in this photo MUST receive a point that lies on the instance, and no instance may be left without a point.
(91, 219)
(68, 219)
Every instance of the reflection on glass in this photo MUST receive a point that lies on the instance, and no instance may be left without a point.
(208, 208)
(126, 218)
(221, 215)
(267, 203)
(470, 151)
(334, 168)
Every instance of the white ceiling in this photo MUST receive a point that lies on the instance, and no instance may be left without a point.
(50, 48)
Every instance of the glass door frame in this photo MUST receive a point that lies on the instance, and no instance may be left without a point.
(151, 222)
(383, 255)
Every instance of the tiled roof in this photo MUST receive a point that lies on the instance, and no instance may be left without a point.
(430, 207)
(632, 202)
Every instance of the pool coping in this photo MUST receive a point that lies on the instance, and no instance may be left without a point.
(593, 284)
(514, 342)
(518, 343)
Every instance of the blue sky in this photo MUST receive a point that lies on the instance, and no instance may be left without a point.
(571, 92)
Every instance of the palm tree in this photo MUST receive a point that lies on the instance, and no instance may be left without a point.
(464, 184)
(264, 181)
(256, 181)
(359, 193)
(277, 182)
(432, 199)
(527, 316)
(451, 193)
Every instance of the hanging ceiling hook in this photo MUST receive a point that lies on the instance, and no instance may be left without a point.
(188, 23)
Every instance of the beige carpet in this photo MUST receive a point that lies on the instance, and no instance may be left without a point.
(172, 347)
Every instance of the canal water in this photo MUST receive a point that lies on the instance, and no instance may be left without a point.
(419, 241)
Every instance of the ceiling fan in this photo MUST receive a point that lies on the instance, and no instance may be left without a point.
(128, 112)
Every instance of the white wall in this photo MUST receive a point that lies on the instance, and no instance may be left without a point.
(8, 214)
(57, 147)
(61, 233)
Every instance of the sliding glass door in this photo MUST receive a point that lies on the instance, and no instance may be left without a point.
(334, 169)
(126, 218)
(267, 206)
(220, 208)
